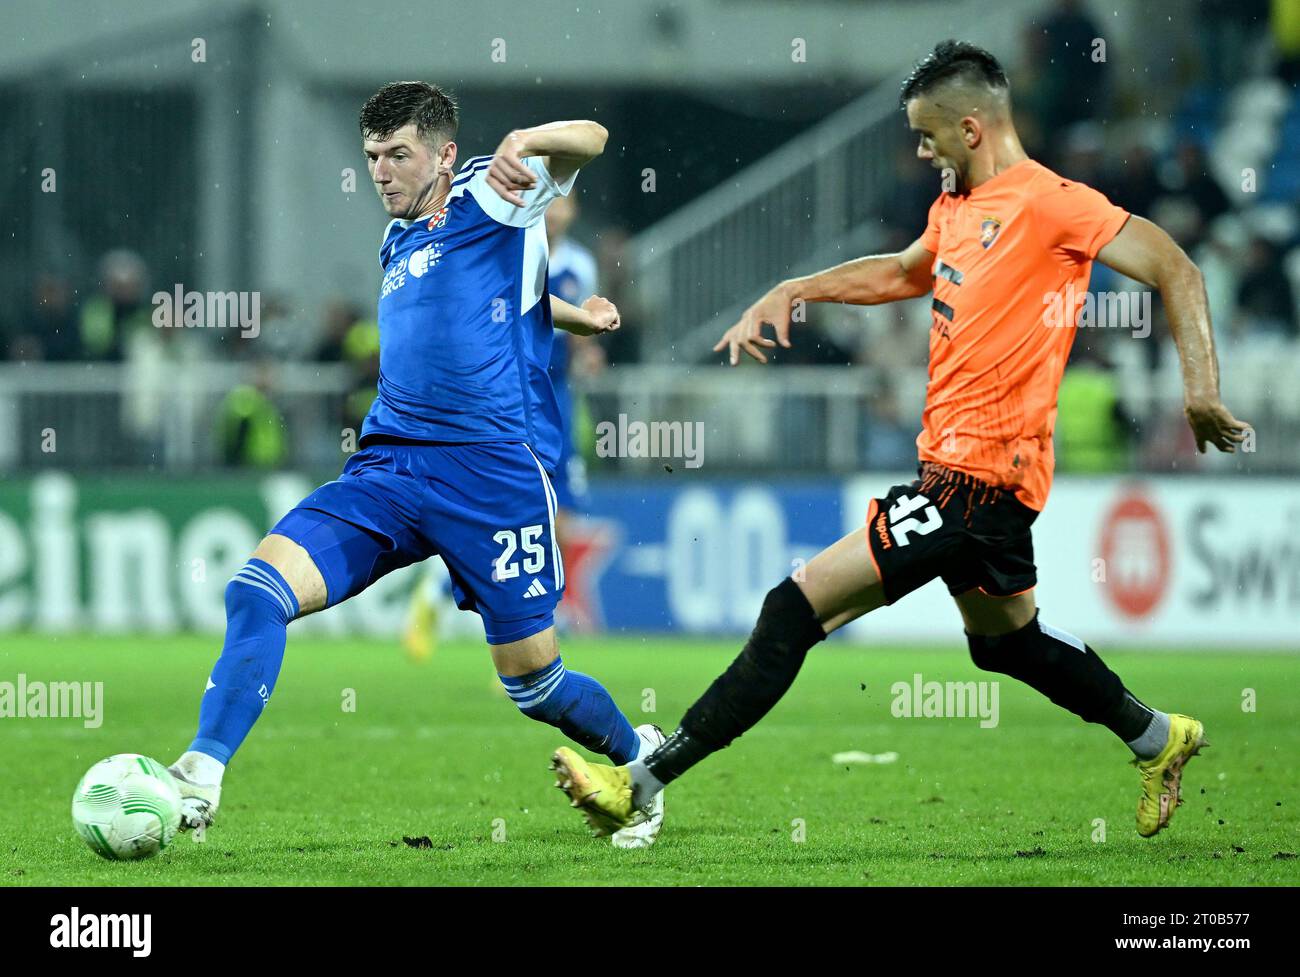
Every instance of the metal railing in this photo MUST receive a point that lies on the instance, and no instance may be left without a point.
(822, 419)
(778, 420)
(811, 203)
(105, 416)
(795, 420)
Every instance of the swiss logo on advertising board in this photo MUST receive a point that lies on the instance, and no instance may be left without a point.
(1135, 548)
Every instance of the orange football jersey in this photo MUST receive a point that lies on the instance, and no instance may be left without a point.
(1012, 262)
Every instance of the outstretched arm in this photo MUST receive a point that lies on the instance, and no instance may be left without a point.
(865, 281)
(566, 146)
(1145, 253)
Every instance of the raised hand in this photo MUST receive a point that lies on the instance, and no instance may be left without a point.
(508, 175)
(747, 334)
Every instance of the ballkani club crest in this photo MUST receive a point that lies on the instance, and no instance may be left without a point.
(989, 231)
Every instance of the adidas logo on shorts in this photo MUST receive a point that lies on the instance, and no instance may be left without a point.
(535, 589)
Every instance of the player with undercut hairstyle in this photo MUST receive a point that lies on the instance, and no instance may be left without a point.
(1005, 238)
(458, 452)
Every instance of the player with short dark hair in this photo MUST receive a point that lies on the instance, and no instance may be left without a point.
(457, 454)
(1005, 238)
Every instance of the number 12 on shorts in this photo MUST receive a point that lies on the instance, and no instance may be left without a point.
(505, 566)
(902, 522)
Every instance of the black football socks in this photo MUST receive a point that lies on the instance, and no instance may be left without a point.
(1068, 672)
(787, 627)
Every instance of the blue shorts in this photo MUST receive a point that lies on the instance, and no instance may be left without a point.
(487, 509)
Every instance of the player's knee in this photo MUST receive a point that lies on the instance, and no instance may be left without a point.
(1029, 653)
(294, 565)
(982, 651)
(787, 624)
(258, 590)
(1000, 653)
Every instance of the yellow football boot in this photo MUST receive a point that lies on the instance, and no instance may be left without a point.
(420, 636)
(1161, 776)
(602, 793)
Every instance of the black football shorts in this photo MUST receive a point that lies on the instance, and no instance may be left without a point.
(949, 524)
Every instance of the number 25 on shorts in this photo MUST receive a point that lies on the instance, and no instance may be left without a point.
(505, 566)
(902, 522)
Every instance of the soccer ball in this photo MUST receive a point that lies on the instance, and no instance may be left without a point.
(127, 806)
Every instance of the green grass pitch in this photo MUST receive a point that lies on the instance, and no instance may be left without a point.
(323, 796)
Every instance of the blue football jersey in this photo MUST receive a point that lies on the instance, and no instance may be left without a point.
(465, 329)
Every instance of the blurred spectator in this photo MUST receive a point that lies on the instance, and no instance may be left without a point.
(906, 207)
(1225, 29)
(49, 329)
(118, 308)
(280, 336)
(1071, 34)
(896, 336)
(1285, 24)
(1218, 258)
(360, 350)
(1188, 176)
(811, 342)
(1266, 305)
(1081, 155)
(157, 354)
(1065, 85)
(571, 275)
(1181, 218)
(1030, 101)
(887, 443)
(803, 412)
(250, 428)
(1133, 182)
(1091, 434)
(614, 272)
(340, 316)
